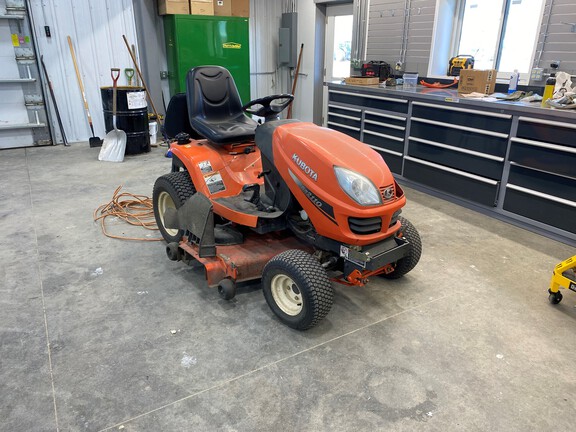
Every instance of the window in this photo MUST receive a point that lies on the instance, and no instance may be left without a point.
(500, 34)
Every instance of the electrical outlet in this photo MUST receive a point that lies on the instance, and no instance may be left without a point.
(164, 74)
(537, 74)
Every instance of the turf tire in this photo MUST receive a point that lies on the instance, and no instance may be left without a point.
(177, 187)
(404, 265)
(311, 280)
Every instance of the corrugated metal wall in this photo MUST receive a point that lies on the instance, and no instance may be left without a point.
(96, 28)
(266, 77)
(556, 41)
(401, 30)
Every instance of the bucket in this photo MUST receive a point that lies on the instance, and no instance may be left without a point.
(131, 116)
(152, 131)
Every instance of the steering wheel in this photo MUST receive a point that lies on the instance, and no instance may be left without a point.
(267, 108)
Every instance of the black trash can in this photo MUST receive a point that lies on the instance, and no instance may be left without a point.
(131, 116)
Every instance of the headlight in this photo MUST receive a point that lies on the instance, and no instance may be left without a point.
(358, 187)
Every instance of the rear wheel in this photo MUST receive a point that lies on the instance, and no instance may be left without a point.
(297, 289)
(404, 265)
(171, 191)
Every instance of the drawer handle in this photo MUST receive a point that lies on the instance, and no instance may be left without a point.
(344, 108)
(464, 110)
(393, 117)
(458, 149)
(393, 138)
(343, 116)
(544, 145)
(368, 96)
(546, 122)
(344, 126)
(458, 127)
(452, 170)
(384, 150)
(389, 126)
(542, 195)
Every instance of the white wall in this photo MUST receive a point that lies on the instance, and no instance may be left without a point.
(96, 28)
(267, 77)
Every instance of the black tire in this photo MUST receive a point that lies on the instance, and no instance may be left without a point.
(555, 298)
(227, 289)
(297, 289)
(404, 265)
(171, 190)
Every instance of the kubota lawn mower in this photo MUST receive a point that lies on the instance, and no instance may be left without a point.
(289, 202)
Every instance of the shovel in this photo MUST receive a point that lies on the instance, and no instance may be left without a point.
(114, 144)
(94, 141)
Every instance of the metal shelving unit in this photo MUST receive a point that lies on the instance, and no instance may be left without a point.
(24, 123)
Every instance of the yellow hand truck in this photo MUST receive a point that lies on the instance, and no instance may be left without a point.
(564, 276)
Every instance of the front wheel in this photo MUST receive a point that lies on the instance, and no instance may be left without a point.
(404, 265)
(171, 191)
(297, 289)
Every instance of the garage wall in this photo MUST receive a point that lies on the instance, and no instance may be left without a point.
(265, 76)
(386, 30)
(96, 28)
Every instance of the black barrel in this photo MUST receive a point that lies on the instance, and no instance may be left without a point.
(131, 116)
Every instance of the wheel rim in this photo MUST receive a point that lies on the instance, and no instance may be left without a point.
(165, 202)
(286, 294)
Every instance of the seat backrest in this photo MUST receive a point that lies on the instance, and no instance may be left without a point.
(214, 105)
(177, 119)
(212, 94)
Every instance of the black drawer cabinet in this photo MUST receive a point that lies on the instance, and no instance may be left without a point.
(544, 182)
(385, 124)
(541, 207)
(454, 157)
(345, 119)
(369, 101)
(547, 131)
(465, 185)
(553, 158)
(518, 161)
(375, 139)
(491, 143)
(385, 133)
(482, 120)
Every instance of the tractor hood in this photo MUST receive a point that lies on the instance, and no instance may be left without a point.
(314, 151)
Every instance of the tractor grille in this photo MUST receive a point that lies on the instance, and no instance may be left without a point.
(388, 193)
(365, 225)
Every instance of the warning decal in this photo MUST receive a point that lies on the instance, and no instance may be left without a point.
(205, 167)
(215, 183)
(136, 100)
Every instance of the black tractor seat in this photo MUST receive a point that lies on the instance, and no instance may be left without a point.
(215, 108)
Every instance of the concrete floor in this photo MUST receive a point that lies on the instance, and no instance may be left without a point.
(466, 342)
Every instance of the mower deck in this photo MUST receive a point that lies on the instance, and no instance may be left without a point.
(243, 262)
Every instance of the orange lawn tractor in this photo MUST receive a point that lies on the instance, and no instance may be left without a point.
(285, 201)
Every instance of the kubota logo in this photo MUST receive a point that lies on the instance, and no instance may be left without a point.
(304, 167)
(231, 45)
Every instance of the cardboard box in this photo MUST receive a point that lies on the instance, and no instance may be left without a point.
(201, 7)
(362, 80)
(477, 81)
(223, 7)
(173, 7)
(240, 8)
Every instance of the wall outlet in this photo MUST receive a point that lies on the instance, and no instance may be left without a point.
(537, 74)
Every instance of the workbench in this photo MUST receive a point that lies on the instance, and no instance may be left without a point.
(512, 160)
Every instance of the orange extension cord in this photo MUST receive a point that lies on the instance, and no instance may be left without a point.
(134, 209)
